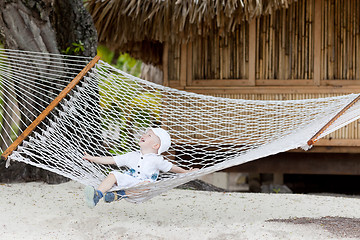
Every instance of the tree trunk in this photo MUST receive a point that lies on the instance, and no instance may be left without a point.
(47, 26)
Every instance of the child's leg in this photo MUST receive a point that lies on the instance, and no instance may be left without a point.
(107, 183)
(120, 194)
(93, 196)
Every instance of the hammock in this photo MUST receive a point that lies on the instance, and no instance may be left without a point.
(107, 111)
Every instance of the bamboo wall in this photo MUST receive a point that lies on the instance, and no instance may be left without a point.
(340, 39)
(174, 62)
(310, 50)
(284, 46)
(217, 57)
(284, 43)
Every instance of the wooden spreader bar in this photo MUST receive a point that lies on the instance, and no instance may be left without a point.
(315, 137)
(49, 108)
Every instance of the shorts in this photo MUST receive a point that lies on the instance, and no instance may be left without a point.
(124, 180)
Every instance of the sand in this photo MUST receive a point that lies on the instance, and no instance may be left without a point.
(41, 211)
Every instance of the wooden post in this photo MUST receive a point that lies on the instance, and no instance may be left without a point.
(317, 42)
(165, 65)
(278, 178)
(183, 65)
(252, 52)
(49, 108)
(189, 68)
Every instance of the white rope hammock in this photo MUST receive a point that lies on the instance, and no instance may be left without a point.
(108, 110)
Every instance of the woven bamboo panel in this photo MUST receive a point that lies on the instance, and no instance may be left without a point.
(340, 55)
(285, 43)
(174, 61)
(217, 57)
(285, 47)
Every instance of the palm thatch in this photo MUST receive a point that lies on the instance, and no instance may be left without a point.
(142, 26)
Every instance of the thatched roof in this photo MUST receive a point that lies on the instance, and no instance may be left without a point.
(143, 25)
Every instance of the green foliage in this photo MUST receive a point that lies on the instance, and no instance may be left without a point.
(141, 115)
(124, 61)
(74, 48)
(127, 109)
(128, 64)
(105, 54)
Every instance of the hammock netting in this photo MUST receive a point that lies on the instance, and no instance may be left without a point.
(106, 113)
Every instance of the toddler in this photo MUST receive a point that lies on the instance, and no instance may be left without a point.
(144, 166)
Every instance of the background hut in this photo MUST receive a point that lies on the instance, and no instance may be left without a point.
(251, 49)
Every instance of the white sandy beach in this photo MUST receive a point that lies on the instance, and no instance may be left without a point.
(41, 211)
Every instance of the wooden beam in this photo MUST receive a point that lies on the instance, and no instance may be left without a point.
(286, 82)
(275, 90)
(49, 108)
(340, 83)
(304, 163)
(338, 142)
(329, 149)
(222, 83)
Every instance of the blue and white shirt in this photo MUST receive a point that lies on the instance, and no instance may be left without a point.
(145, 167)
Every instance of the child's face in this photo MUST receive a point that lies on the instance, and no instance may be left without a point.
(149, 141)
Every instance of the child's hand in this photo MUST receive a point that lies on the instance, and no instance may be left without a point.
(193, 169)
(87, 157)
(100, 160)
(176, 169)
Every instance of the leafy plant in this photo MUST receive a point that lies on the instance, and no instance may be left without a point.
(129, 109)
(123, 62)
(128, 64)
(74, 49)
(105, 54)
(126, 112)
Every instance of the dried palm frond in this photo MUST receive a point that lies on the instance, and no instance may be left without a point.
(126, 25)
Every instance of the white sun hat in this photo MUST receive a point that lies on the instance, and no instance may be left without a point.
(165, 139)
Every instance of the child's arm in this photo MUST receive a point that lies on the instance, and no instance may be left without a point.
(101, 160)
(177, 169)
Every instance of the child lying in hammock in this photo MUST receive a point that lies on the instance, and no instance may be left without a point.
(144, 167)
